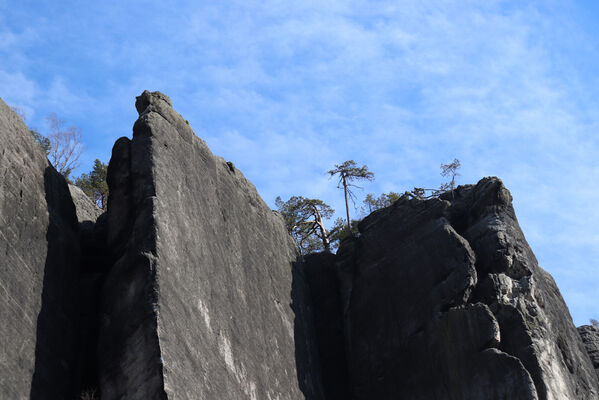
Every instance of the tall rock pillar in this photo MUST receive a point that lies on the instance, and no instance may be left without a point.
(197, 302)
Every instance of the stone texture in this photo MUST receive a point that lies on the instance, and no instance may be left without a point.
(590, 338)
(443, 299)
(38, 270)
(196, 304)
(190, 287)
(87, 210)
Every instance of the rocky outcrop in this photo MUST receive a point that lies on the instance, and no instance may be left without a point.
(190, 287)
(196, 303)
(87, 210)
(39, 270)
(590, 338)
(443, 299)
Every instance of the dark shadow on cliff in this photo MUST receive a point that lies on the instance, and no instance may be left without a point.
(320, 273)
(56, 338)
(93, 267)
(306, 353)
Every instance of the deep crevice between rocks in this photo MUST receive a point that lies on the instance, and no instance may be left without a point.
(93, 270)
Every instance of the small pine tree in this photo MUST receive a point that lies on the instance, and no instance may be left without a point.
(450, 170)
(43, 141)
(94, 184)
(349, 172)
(372, 203)
(304, 219)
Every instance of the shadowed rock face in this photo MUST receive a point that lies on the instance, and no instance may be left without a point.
(39, 259)
(590, 338)
(320, 273)
(443, 299)
(197, 302)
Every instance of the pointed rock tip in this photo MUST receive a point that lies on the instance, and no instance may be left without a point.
(147, 98)
(494, 188)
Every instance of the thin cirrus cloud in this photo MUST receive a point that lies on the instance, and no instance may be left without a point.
(287, 90)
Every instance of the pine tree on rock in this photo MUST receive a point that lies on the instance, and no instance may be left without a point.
(304, 219)
(348, 173)
(94, 184)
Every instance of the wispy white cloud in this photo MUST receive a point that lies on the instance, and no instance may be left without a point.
(285, 90)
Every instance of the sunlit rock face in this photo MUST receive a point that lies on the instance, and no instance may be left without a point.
(444, 299)
(87, 210)
(197, 302)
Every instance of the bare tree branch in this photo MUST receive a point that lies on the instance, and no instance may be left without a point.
(65, 145)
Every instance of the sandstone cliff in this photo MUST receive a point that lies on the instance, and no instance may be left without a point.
(39, 263)
(444, 299)
(590, 338)
(197, 303)
(189, 287)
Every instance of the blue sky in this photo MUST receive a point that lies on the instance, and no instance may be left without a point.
(287, 89)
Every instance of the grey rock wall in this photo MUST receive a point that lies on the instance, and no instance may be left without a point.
(443, 299)
(189, 287)
(197, 303)
(590, 337)
(38, 270)
(86, 209)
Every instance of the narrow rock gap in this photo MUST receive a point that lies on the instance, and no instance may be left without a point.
(93, 270)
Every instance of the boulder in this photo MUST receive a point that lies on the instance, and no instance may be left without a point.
(196, 303)
(39, 270)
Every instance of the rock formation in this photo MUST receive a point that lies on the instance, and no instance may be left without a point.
(196, 304)
(86, 209)
(39, 270)
(190, 287)
(443, 299)
(590, 338)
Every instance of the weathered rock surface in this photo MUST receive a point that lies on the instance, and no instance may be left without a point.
(190, 287)
(87, 210)
(38, 266)
(443, 299)
(196, 304)
(590, 338)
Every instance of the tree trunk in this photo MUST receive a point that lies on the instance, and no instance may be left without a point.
(326, 242)
(452, 187)
(323, 231)
(347, 207)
